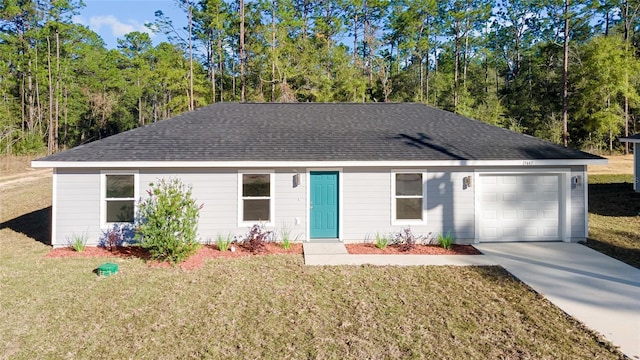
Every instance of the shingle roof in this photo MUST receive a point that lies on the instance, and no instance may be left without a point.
(317, 132)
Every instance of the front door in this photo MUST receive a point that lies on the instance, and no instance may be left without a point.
(324, 205)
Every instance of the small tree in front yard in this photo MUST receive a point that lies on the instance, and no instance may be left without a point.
(168, 221)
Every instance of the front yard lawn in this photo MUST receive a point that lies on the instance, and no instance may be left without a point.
(274, 307)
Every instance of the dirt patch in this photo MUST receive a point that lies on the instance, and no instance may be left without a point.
(417, 250)
(618, 164)
(194, 261)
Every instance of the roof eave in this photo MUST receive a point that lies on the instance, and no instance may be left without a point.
(310, 164)
(630, 140)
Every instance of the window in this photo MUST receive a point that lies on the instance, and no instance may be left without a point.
(119, 194)
(408, 197)
(256, 202)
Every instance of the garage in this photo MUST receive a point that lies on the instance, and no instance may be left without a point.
(519, 207)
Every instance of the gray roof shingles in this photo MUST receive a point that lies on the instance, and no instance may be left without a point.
(317, 132)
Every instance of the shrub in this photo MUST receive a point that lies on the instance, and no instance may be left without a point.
(445, 240)
(78, 242)
(285, 236)
(382, 241)
(117, 235)
(257, 238)
(223, 242)
(168, 221)
(406, 239)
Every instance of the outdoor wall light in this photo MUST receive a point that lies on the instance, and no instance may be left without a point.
(296, 180)
(467, 181)
(577, 180)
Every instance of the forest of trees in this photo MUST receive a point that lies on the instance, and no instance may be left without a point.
(562, 70)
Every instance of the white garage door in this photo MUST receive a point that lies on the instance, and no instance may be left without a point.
(519, 207)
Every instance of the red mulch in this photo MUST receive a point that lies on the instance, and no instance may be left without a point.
(417, 250)
(194, 261)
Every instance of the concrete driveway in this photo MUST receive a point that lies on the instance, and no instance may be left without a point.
(601, 292)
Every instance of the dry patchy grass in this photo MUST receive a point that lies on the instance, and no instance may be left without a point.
(274, 307)
(614, 217)
(266, 307)
(618, 164)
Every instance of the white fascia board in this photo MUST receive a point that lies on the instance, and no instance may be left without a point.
(630, 140)
(310, 164)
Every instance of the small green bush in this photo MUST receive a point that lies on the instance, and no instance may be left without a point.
(285, 236)
(168, 221)
(78, 242)
(445, 240)
(223, 242)
(382, 241)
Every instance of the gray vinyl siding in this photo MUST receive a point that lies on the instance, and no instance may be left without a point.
(367, 204)
(290, 205)
(217, 190)
(451, 208)
(77, 205)
(365, 209)
(578, 213)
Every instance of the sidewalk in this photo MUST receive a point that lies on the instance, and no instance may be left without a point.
(335, 253)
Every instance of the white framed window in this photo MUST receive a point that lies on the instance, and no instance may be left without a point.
(118, 194)
(256, 197)
(407, 197)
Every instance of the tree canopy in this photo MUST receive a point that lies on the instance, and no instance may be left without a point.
(538, 67)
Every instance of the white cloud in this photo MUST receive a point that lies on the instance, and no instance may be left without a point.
(111, 24)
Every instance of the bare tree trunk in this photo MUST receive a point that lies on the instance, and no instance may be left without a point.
(466, 56)
(221, 69)
(140, 117)
(355, 37)
(50, 127)
(627, 24)
(435, 71)
(190, 11)
(66, 115)
(56, 119)
(456, 70)
(273, 51)
(421, 79)
(242, 59)
(565, 77)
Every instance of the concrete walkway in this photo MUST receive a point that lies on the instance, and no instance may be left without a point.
(601, 292)
(335, 253)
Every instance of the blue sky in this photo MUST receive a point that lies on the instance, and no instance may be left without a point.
(111, 19)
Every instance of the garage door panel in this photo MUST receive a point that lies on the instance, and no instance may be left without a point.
(550, 196)
(489, 197)
(519, 207)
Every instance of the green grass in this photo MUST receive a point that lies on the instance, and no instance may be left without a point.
(614, 217)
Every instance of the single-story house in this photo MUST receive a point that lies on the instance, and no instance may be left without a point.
(635, 140)
(330, 171)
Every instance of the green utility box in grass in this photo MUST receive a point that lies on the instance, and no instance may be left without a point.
(107, 269)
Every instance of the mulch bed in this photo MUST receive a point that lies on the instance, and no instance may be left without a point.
(194, 261)
(417, 250)
(206, 252)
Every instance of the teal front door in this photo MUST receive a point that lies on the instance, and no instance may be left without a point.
(324, 205)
